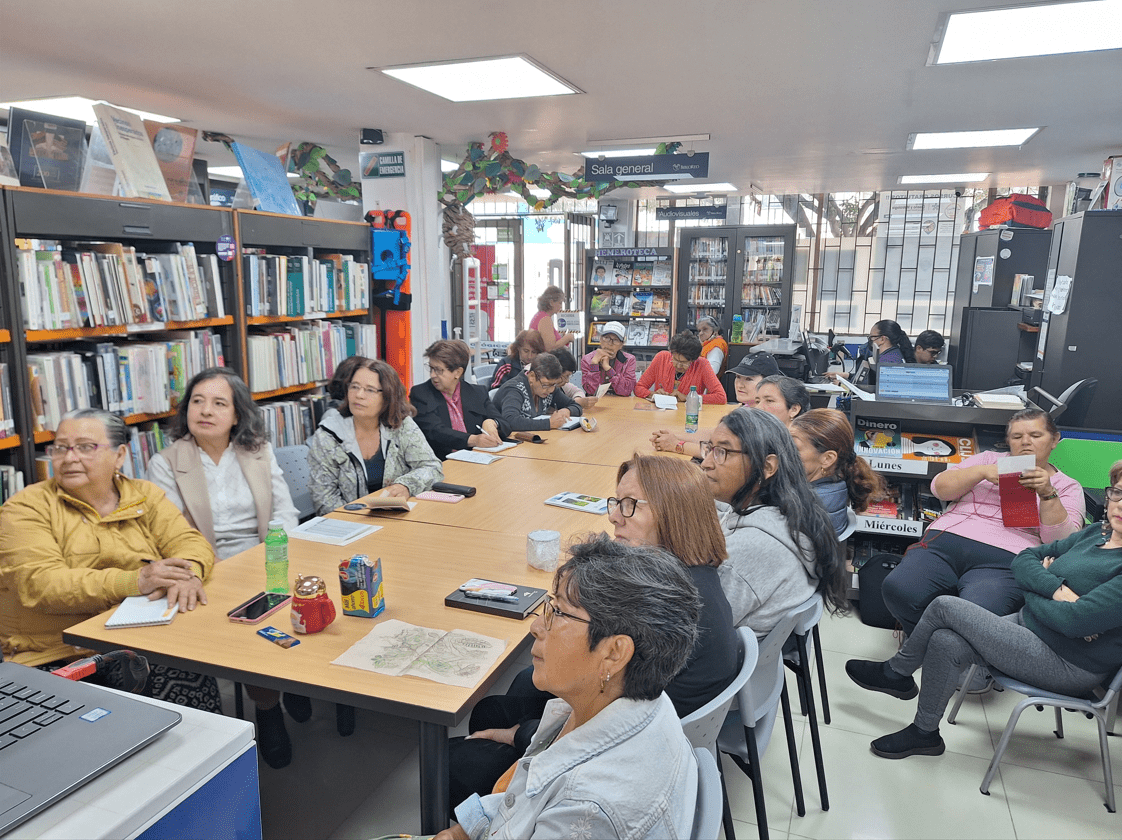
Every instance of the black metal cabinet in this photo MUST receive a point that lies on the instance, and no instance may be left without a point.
(1080, 342)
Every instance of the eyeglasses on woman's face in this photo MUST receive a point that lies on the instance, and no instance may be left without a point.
(626, 505)
(57, 451)
(549, 611)
(356, 389)
(720, 453)
(1113, 494)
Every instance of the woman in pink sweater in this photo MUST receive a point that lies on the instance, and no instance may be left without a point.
(676, 370)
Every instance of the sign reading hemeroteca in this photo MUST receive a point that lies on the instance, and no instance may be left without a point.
(647, 167)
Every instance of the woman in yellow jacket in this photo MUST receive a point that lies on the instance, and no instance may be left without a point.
(76, 544)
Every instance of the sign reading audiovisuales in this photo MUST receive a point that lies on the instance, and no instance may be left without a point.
(647, 167)
(382, 164)
(704, 211)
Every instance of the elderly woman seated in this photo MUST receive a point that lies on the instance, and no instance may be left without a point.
(609, 758)
(83, 541)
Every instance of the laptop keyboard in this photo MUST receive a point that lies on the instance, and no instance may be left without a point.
(25, 711)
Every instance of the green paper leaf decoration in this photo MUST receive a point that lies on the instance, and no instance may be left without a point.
(478, 185)
(492, 168)
(476, 153)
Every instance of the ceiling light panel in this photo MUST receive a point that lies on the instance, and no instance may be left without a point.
(956, 178)
(476, 80)
(1024, 31)
(688, 187)
(609, 153)
(970, 139)
(77, 108)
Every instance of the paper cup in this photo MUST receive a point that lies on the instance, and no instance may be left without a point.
(543, 549)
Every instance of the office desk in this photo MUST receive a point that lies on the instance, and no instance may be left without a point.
(510, 497)
(421, 564)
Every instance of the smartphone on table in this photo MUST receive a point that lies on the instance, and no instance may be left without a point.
(258, 608)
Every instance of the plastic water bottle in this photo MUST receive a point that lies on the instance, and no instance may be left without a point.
(276, 558)
(736, 334)
(693, 410)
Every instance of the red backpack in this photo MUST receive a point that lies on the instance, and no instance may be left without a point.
(1016, 210)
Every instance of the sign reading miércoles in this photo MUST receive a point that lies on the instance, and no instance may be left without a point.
(705, 211)
(382, 164)
(647, 167)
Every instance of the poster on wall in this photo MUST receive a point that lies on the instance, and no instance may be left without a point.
(983, 272)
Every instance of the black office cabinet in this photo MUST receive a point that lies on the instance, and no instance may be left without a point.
(1081, 341)
(1010, 252)
(737, 270)
(991, 343)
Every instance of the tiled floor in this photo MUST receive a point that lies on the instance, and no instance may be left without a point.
(366, 785)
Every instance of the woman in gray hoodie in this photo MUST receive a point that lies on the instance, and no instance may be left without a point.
(782, 548)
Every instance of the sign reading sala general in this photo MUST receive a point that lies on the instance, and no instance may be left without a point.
(647, 167)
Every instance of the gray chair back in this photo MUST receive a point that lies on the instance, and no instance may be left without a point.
(293, 461)
(703, 725)
(710, 797)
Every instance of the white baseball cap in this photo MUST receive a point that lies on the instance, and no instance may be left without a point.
(615, 328)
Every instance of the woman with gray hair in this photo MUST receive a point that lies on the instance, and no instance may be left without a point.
(713, 346)
(609, 758)
(782, 396)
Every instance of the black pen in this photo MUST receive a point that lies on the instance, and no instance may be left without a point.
(479, 596)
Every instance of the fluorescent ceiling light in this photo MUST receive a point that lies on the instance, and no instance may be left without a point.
(235, 172)
(646, 141)
(689, 187)
(959, 178)
(77, 108)
(970, 139)
(475, 80)
(609, 153)
(1023, 31)
(448, 165)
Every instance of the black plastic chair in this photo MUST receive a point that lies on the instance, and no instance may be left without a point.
(1072, 405)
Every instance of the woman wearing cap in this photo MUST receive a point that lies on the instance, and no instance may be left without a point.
(929, 344)
(608, 364)
(713, 347)
(680, 368)
(747, 375)
(551, 301)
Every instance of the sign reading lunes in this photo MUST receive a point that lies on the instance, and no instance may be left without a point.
(647, 167)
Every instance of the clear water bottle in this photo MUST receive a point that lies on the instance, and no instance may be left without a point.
(276, 558)
(693, 409)
(736, 334)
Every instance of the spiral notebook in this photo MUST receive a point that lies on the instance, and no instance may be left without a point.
(138, 611)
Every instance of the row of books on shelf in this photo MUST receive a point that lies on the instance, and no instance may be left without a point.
(617, 273)
(292, 422)
(99, 284)
(713, 247)
(639, 333)
(307, 352)
(764, 246)
(640, 303)
(7, 416)
(704, 271)
(763, 269)
(11, 482)
(299, 285)
(907, 500)
(133, 378)
(756, 294)
(706, 295)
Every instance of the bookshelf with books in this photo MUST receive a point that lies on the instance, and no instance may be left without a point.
(114, 303)
(305, 299)
(635, 287)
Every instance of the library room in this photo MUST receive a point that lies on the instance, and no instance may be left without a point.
(592, 420)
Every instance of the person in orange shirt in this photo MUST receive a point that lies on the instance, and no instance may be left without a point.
(676, 370)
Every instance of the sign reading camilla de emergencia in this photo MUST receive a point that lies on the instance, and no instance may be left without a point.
(382, 164)
(647, 167)
(704, 211)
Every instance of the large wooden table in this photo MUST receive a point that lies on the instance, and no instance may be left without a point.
(426, 553)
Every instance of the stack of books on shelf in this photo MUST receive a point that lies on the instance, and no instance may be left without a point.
(306, 353)
(7, 416)
(144, 441)
(11, 482)
(105, 284)
(760, 294)
(134, 378)
(292, 422)
(276, 284)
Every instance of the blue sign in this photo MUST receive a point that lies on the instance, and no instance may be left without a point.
(704, 211)
(647, 167)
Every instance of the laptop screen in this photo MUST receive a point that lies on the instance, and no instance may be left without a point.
(914, 383)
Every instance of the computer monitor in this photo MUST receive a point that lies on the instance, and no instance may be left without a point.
(914, 383)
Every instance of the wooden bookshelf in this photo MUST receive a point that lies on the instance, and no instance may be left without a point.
(259, 320)
(130, 420)
(73, 333)
(164, 326)
(10, 442)
(34, 336)
(291, 389)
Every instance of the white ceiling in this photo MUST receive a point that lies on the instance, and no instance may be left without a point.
(797, 95)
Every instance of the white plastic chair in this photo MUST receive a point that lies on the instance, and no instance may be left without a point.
(747, 729)
(1099, 709)
(710, 795)
(482, 373)
(704, 724)
(807, 616)
(293, 461)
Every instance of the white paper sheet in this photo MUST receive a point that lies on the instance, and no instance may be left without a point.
(332, 531)
(666, 401)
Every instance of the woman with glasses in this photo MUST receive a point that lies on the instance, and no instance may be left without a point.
(1066, 639)
(86, 539)
(660, 502)
(713, 346)
(609, 758)
(533, 401)
(221, 472)
(890, 345)
(676, 370)
(782, 548)
(454, 414)
(370, 443)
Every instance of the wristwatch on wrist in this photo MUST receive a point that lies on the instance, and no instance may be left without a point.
(1050, 496)
(680, 447)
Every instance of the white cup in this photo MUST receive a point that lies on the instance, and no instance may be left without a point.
(543, 549)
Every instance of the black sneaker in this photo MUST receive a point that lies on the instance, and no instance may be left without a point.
(272, 738)
(870, 676)
(909, 741)
(298, 706)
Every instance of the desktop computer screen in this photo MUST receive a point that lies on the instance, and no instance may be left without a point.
(914, 383)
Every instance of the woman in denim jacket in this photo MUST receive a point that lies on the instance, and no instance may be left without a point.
(609, 758)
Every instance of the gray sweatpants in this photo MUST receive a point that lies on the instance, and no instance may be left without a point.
(954, 634)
